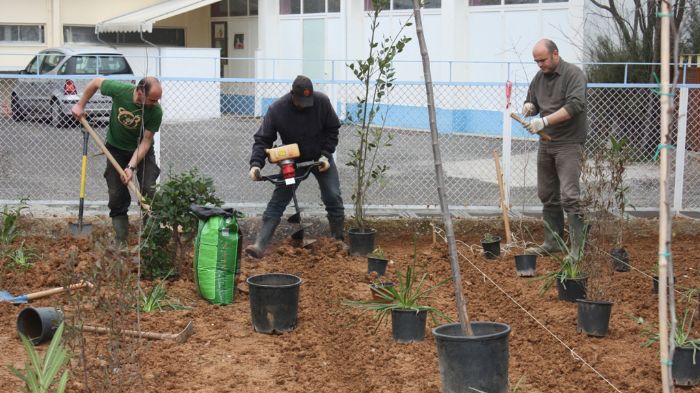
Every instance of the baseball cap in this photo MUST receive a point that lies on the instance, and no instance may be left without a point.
(303, 92)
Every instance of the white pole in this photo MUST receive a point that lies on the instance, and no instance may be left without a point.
(680, 151)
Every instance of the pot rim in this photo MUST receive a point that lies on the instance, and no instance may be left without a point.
(492, 336)
(298, 282)
(601, 302)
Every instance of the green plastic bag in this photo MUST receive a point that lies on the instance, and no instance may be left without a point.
(217, 252)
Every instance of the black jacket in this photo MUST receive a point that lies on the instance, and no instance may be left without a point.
(315, 129)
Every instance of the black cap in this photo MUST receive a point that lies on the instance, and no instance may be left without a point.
(303, 92)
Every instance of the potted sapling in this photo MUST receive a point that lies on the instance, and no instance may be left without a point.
(491, 245)
(376, 75)
(617, 158)
(406, 302)
(593, 312)
(570, 279)
(377, 261)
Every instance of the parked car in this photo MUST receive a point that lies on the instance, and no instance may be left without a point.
(51, 95)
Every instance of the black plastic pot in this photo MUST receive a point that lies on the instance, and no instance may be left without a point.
(685, 372)
(39, 324)
(408, 326)
(525, 265)
(492, 249)
(376, 265)
(473, 362)
(361, 243)
(593, 317)
(620, 259)
(274, 300)
(572, 288)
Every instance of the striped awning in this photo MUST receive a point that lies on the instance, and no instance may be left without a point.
(142, 20)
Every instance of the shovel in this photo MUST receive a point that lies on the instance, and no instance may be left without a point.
(80, 230)
(177, 337)
(21, 299)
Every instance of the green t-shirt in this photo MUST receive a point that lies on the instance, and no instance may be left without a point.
(126, 116)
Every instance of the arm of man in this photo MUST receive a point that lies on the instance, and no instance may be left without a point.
(575, 100)
(331, 127)
(78, 110)
(263, 139)
(138, 155)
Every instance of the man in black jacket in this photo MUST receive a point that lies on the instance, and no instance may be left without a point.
(307, 118)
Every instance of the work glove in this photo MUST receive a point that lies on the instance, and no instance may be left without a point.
(325, 164)
(528, 109)
(254, 173)
(537, 125)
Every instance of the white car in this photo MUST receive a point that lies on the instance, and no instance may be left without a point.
(51, 96)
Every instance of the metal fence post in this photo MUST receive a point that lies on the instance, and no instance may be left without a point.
(680, 150)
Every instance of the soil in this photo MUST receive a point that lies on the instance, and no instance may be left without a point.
(334, 348)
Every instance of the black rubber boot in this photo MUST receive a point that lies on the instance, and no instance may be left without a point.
(577, 237)
(121, 231)
(337, 225)
(267, 229)
(553, 228)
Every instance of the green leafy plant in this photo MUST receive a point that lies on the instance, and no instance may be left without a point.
(410, 292)
(171, 226)
(568, 269)
(8, 231)
(490, 238)
(681, 336)
(377, 75)
(618, 157)
(21, 257)
(158, 299)
(377, 253)
(43, 376)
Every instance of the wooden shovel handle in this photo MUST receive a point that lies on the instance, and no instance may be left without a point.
(179, 338)
(114, 162)
(524, 123)
(53, 291)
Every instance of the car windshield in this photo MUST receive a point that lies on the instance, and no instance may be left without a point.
(95, 65)
(45, 62)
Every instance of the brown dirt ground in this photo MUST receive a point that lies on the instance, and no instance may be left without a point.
(333, 348)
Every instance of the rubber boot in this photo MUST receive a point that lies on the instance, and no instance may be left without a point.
(267, 229)
(337, 225)
(121, 231)
(553, 227)
(577, 238)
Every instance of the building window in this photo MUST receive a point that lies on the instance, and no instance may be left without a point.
(289, 7)
(80, 35)
(22, 34)
(160, 36)
(234, 8)
(512, 2)
(406, 4)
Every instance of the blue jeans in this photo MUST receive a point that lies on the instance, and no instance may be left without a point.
(146, 172)
(558, 172)
(328, 183)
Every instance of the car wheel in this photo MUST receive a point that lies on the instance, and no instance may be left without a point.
(58, 118)
(17, 112)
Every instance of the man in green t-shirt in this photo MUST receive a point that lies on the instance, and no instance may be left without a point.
(135, 118)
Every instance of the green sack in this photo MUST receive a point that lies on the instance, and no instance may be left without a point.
(217, 252)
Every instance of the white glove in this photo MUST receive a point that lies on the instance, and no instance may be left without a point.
(537, 125)
(325, 164)
(528, 109)
(254, 173)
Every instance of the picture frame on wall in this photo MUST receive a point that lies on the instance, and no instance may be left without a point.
(219, 39)
(239, 41)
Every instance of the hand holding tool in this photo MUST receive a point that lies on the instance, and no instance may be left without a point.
(542, 134)
(537, 125)
(324, 164)
(528, 109)
(254, 173)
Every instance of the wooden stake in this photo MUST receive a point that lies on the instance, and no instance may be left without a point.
(502, 192)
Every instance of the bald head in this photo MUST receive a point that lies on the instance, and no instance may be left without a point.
(546, 55)
(148, 91)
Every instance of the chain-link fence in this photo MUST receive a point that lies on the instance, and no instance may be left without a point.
(209, 124)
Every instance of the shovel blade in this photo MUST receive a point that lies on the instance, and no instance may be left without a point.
(294, 218)
(79, 231)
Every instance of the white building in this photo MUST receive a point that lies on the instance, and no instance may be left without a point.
(314, 37)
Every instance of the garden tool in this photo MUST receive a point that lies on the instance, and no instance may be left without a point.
(114, 162)
(81, 230)
(284, 157)
(524, 123)
(7, 297)
(178, 338)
